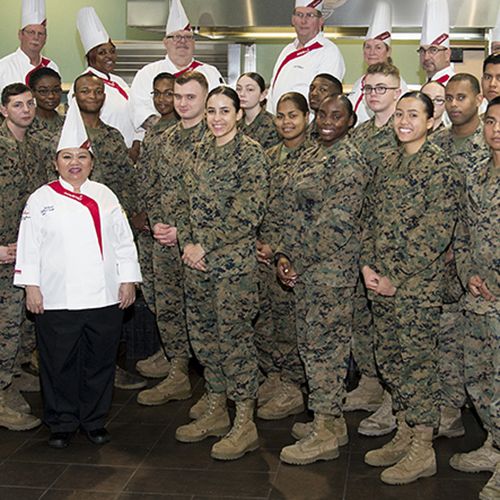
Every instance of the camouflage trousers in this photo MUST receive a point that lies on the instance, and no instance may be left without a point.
(324, 327)
(163, 288)
(362, 333)
(11, 313)
(28, 339)
(482, 368)
(451, 357)
(275, 332)
(220, 311)
(406, 354)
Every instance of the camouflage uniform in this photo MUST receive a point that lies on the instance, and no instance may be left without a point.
(227, 190)
(322, 240)
(408, 229)
(262, 129)
(173, 154)
(371, 141)
(21, 173)
(465, 153)
(275, 331)
(478, 253)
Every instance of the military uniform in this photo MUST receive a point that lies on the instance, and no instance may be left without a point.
(227, 190)
(466, 153)
(262, 129)
(408, 229)
(322, 240)
(21, 173)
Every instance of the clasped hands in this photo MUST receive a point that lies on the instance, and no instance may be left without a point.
(477, 287)
(8, 253)
(381, 285)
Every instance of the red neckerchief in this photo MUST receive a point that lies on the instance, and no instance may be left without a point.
(43, 63)
(191, 67)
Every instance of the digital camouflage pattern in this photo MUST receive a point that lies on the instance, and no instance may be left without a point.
(262, 129)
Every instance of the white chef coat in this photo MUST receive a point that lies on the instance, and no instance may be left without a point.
(356, 96)
(116, 109)
(16, 66)
(61, 249)
(443, 75)
(296, 74)
(140, 93)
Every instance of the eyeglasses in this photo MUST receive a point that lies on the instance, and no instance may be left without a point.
(379, 90)
(167, 93)
(433, 51)
(180, 38)
(306, 15)
(46, 92)
(34, 33)
(438, 100)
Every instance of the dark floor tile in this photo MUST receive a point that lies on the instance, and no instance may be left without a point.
(444, 489)
(374, 488)
(30, 474)
(212, 483)
(152, 496)
(261, 460)
(134, 433)
(77, 495)
(138, 414)
(122, 396)
(9, 446)
(275, 439)
(7, 493)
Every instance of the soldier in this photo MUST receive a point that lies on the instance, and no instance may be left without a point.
(478, 265)
(20, 176)
(490, 81)
(165, 208)
(227, 189)
(409, 224)
(436, 93)
(257, 123)
(318, 256)
(16, 67)
(382, 89)
(275, 334)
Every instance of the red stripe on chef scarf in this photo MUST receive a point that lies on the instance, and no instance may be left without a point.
(191, 67)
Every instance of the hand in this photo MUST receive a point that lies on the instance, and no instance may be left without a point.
(34, 299)
(385, 287)
(140, 222)
(264, 253)
(193, 257)
(135, 151)
(477, 287)
(449, 256)
(165, 234)
(285, 271)
(371, 278)
(126, 295)
(8, 253)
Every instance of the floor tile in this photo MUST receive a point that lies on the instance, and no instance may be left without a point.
(53, 494)
(152, 496)
(30, 474)
(7, 493)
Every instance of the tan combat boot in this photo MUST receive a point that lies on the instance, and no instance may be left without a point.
(214, 422)
(483, 459)
(420, 461)
(242, 437)
(288, 401)
(175, 387)
(26, 382)
(15, 400)
(15, 420)
(381, 422)
(156, 366)
(491, 491)
(300, 430)
(320, 444)
(450, 423)
(268, 388)
(367, 396)
(395, 449)
(200, 407)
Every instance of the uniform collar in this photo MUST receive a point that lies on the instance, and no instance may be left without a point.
(69, 187)
(24, 56)
(178, 69)
(318, 38)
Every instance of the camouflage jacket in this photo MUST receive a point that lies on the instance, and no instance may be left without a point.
(410, 220)
(262, 129)
(322, 234)
(227, 189)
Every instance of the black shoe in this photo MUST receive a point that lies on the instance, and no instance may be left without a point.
(127, 380)
(60, 439)
(98, 436)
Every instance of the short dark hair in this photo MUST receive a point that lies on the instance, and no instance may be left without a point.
(298, 99)
(84, 75)
(190, 76)
(423, 98)
(228, 92)
(493, 102)
(466, 77)
(491, 59)
(334, 81)
(40, 73)
(257, 78)
(163, 76)
(12, 90)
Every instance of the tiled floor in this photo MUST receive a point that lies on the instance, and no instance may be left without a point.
(144, 461)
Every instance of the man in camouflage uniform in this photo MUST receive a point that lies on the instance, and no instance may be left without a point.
(478, 262)
(490, 80)
(164, 207)
(373, 137)
(20, 176)
(464, 144)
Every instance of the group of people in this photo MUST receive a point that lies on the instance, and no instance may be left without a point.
(280, 232)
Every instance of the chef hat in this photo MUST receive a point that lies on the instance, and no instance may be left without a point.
(381, 24)
(495, 34)
(92, 31)
(436, 24)
(73, 134)
(177, 19)
(315, 4)
(33, 12)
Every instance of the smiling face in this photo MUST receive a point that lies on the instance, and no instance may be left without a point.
(103, 57)
(222, 118)
(74, 165)
(90, 94)
(47, 92)
(333, 120)
(411, 123)
(462, 103)
(249, 92)
(291, 123)
(163, 96)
